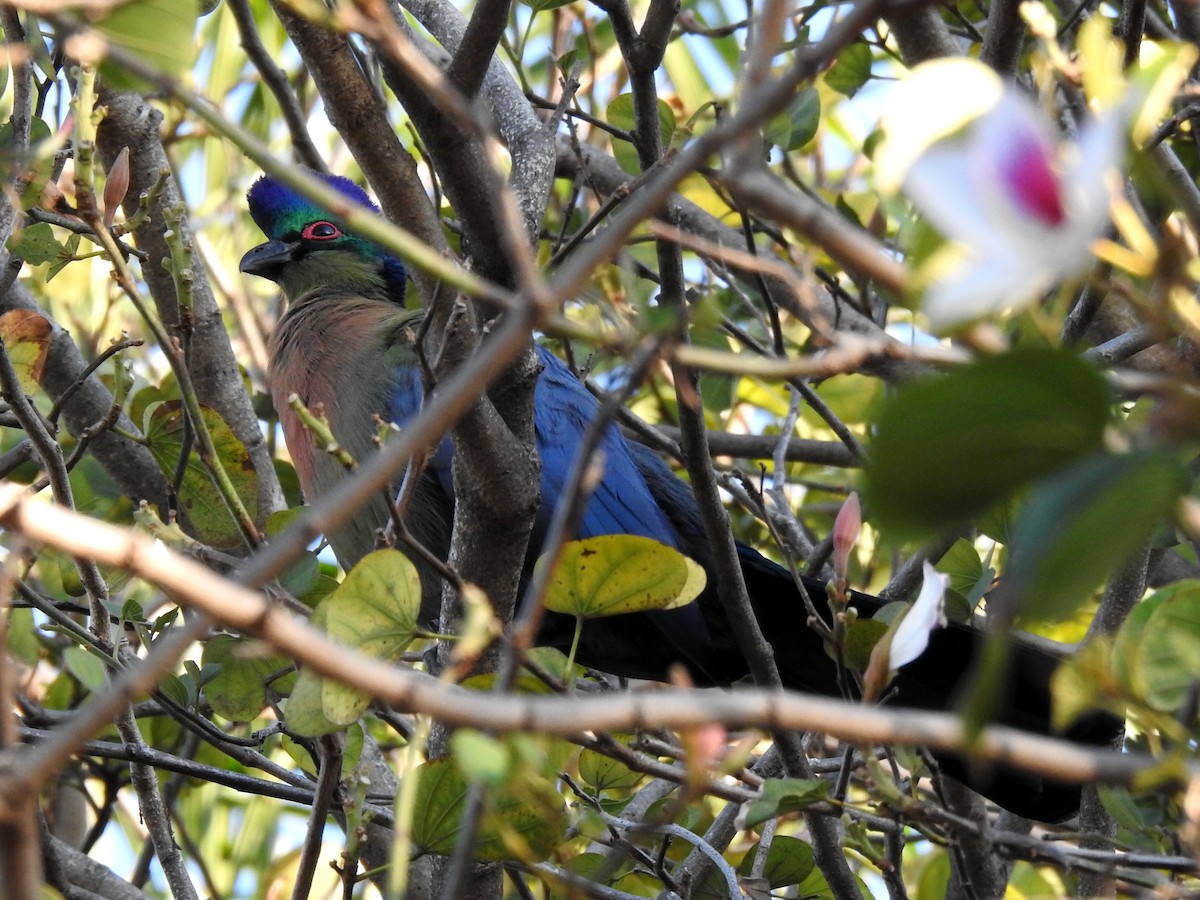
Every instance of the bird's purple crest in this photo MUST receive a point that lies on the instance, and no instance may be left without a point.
(277, 209)
(282, 213)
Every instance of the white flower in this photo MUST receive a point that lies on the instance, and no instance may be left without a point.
(908, 639)
(1024, 208)
(927, 613)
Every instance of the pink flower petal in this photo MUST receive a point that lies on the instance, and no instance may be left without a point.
(1026, 172)
(1015, 151)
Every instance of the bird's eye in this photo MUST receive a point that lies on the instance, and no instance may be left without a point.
(321, 231)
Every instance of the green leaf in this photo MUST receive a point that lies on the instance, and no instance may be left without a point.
(969, 579)
(621, 573)
(26, 335)
(797, 125)
(480, 756)
(863, 635)
(1081, 525)
(89, 670)
(782, 795)
(1079, 684)
(1119, 804)
(374, 610)
(305, 707)
(301, 577)
(950, 447)
(851, 70)
(68, 256)
(36, 244)
(620, 114)
(38, 156)
(544, 5)
(21, 638)
(1164, 646)
(789, 861)
(238, 690)
(159, 32)
(716, 388)
(173, 686)
(519, 822)
(605, 773)
(207, 514)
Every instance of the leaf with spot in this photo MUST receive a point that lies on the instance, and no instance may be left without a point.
(621, 573)
(36, 244)
(26, 335)
(207, 514)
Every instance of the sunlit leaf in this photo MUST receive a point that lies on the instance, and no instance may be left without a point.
(21, 638)
(305, 706)
(480, 756)
(1080, 683)
(26, 335)
(36, 244)
(621, 573)
(86, 667)
(375, 611)
(1160, 645)
(159, 32)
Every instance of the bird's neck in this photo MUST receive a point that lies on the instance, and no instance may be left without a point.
(336, 272)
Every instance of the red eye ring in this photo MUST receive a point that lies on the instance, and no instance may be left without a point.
(321, 231)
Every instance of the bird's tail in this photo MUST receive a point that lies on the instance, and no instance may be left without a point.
(935, 681)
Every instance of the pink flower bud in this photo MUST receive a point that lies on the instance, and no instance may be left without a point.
(846, 528)
(116, 186)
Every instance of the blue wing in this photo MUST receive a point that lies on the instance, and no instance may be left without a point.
(622, 503)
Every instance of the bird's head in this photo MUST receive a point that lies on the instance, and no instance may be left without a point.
(309, 247)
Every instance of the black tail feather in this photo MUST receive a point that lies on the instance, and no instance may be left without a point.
(936, 681)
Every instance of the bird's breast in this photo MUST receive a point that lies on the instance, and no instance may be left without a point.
(337, 355)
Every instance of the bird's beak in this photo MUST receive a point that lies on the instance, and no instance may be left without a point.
(268, 259)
